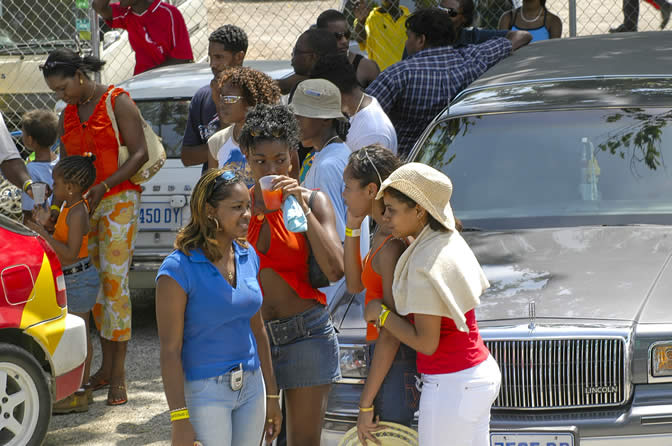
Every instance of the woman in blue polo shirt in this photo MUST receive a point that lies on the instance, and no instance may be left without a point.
(214, 347)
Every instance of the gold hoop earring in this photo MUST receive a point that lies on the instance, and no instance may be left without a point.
(81, 81)
(216, 223)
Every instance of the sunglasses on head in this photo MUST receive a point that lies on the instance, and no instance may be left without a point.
(345, 34)
(451, 12)
(368, 158)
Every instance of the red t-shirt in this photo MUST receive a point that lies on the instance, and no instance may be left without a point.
(457, 350)
(155, 35)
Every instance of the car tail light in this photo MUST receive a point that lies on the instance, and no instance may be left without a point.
(59, 280)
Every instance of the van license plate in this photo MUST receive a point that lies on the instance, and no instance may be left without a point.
(159, 216)
(531, 439)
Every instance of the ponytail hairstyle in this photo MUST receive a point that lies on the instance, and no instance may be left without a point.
(201, 232)
(372, 164)
(65, 62)
(77, 170)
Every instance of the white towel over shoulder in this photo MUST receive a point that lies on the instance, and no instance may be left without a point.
(439, 275)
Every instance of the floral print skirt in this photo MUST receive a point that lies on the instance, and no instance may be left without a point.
(114, 225)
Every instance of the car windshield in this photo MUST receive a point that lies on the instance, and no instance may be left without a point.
(29, 27)
(168, 118)
(604, 166)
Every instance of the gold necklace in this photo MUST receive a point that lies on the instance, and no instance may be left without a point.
(90, 97)
(230, 273)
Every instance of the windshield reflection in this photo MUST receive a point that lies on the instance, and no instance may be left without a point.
(604, 162)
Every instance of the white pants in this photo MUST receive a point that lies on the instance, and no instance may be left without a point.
(455, 407)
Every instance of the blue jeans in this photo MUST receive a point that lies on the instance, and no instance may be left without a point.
(398, 398)
(221, 416)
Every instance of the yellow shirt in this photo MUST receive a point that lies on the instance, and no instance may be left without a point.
(385, 38)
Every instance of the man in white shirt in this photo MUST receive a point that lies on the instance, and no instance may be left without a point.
(11, 164)
(369, 124)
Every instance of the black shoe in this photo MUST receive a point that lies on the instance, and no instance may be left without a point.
(623, 29)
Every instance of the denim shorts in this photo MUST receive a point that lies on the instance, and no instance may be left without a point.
(81, 286)
(398, 398)
(304, 349)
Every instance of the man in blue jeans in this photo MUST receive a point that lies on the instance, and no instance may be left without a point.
(226, 48)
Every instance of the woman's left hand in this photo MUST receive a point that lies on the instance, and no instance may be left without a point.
(94, 195)
(273, 419)
(290, 186)
(372, 310)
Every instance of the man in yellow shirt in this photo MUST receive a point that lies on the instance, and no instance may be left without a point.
(382, 32)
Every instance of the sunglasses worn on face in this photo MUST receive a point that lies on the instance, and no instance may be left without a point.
(230, 99)
(346, 34)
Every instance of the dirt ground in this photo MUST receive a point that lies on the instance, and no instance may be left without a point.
(144, 420)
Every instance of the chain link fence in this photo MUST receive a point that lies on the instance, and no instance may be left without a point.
(29, 30)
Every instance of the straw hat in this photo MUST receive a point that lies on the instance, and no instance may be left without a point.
(426, 186)
(317, 98)
(393, 434)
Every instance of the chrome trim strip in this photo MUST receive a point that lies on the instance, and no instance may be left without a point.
(351, 381)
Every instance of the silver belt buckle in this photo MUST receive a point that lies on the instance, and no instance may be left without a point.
(237, 378)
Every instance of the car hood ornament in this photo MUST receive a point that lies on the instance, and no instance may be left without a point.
(531, 310)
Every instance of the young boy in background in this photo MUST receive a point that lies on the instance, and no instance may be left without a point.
(40, 131)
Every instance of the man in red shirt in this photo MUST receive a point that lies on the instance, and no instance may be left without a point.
(156, 31)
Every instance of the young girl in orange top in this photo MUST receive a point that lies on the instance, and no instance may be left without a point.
(73, 176)
(389, 392)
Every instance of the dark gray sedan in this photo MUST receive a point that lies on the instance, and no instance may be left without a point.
(558, 157)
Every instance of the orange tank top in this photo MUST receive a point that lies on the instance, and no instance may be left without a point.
(96, 135)
(287, 254)
(373, 283)
(61, 230)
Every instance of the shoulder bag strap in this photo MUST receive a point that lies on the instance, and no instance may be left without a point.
(110, 114)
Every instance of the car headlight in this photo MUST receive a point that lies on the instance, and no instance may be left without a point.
(353, 361)
(661, 361)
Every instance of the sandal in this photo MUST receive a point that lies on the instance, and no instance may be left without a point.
(77, 402)
(118, 401)
(96, 383)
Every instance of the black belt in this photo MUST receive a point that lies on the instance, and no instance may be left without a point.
(77, 267)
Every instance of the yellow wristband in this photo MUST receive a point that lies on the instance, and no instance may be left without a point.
(383, 318)
(27, 184)
(353, 232)
(273, 397)
(177, 415)
(366, 409)
(107, 188)
(53, 207)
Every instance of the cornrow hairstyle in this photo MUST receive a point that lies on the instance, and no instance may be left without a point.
(78, 170)
(232, 37)
(342, 127)
(269, 123)
(201, 232)
(328, 16)
(42, 125)
(66, 63)
(337, 69)
(258, 87)
(371, 164)
(433, 23)
(433, 223)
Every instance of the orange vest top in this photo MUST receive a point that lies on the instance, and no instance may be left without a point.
(61, 230)
(287, 254)
(374, 287)
(96, 136)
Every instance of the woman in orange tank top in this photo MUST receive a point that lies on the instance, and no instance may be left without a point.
(114, 201)
(304, 347)
(72, 177)
(389, 393)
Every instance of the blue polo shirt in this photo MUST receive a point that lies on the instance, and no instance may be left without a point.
(217, 332)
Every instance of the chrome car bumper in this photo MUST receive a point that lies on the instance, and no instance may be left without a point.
(646, 421)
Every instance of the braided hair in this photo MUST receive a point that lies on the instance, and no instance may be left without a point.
(372, 164)
(77, 170)
(269, 123)
(258, 87)
(232, 37)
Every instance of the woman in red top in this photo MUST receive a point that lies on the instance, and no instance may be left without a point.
(304, 347)
(438, 281)
(389, 392)
(114, 201)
